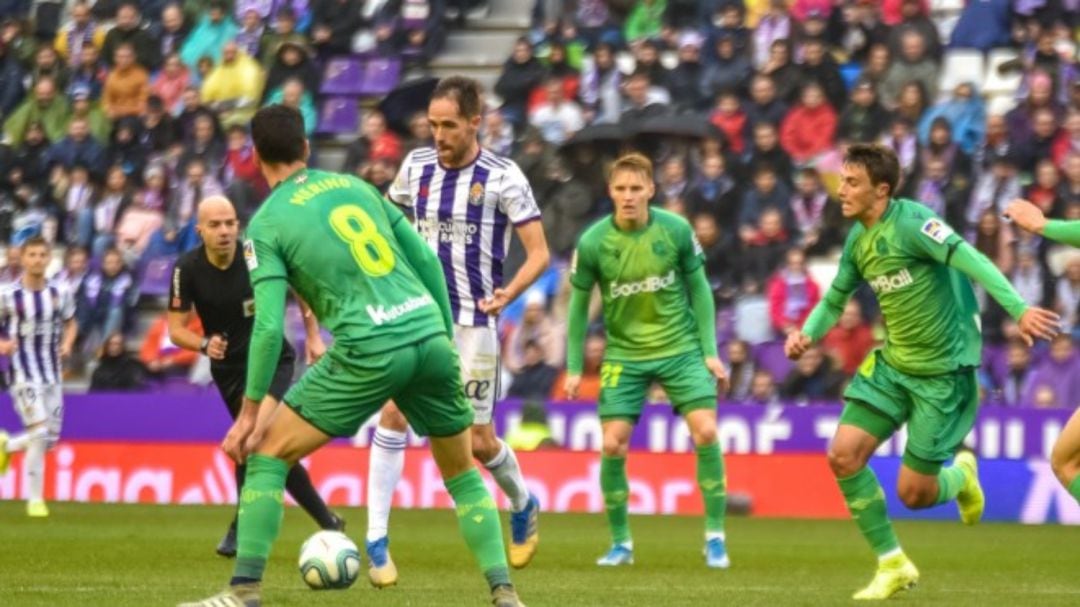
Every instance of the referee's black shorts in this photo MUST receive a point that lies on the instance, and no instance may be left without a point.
(231, 379)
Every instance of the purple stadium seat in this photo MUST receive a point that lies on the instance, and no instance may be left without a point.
(770, 357)
(155, 279)
(343, 76)
(338, 116)
(381, 75)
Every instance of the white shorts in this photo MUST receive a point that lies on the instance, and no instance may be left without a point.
(40, 403)
(478, 348)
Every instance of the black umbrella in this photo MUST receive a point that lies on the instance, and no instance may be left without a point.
(690, 126)
(405, 101)
(597, 134)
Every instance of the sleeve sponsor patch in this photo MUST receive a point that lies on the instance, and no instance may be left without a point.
(249, 255)
(936, 230)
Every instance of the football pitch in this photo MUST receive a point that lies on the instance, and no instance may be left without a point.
(158, 555)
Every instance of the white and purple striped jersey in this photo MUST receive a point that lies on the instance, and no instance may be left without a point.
(35, 320)
(465, 215)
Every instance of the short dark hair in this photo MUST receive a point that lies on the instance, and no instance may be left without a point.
(35, 241)
(465, 91)
(879, 161)
(278, 132)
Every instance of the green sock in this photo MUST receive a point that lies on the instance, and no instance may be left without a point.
(262, 504)
(478, 518)
(866, 502)
(949, 482)
(713, 485)
(616, 489)
(1074, 488)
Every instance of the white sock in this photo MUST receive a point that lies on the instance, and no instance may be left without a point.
(890, 554)
(22, 440)
(384, 471)
(507, 474)
(35, 467)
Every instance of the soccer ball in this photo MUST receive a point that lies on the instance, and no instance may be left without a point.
(329, 560)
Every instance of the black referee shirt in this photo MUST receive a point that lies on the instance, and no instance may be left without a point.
(223, 299)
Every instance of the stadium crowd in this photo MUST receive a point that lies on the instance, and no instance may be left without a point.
(119, 117)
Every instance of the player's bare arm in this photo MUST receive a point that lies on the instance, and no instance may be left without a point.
(1026, 215)
(314, 346)
(213, 346)
(67, 341)
(537, 258)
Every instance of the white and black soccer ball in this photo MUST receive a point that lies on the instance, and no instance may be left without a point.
(329, 560)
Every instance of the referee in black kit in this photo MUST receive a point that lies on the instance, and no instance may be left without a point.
(214, 279)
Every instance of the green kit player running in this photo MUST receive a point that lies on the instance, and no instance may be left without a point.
(661, 327)
(925, 375)
(1065, 458)
(376, 285)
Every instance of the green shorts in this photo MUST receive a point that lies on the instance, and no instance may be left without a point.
(341, 391)
(939, 410)
(625, 384)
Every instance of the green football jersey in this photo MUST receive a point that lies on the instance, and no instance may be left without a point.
(930, 312)
(642, 278)
(331, 237)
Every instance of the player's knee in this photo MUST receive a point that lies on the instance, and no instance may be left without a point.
(917, 495)
(844, 462)
(704, 435)
(614, 446)
(485, 448)
(392, 418)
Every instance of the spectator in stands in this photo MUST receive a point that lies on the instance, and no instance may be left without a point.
(78, 33)
(29, 159)
(996, 239)
(127, 87)
(1070, 189)
(78, 148)
(812, 379)
(996, 142)
(685, 80)
(246, 185)
(282, 30)
(521, 73)
(293, 60)
(792, 293)
(117, 369)
(251, 32)
(763, 389)
(566, 207)
(763, 106)
(234, 87)
(810, 127)
(818, 222)
(77, 206)
(193, 109)
(864, 119)
(947, 195)
(767, 193)
(536, 328)
(204, 146)
(45, 108)
(12, 269)
(1067, 294)
(374, 134)
(1029, 277)
(1055, 382)
(418, 30)
(89, 75)
(729, 70)
(1020, 120)
(333, 25)
(902, 139)
(11, 82)
(197, 185)
(160, 131)
(876, 66)
(818, 66)
(912, 103)
(768, 153)
(941, 146)
(1046, 58)
(1044, 132)
(84, 109)
(645, 21)
(727, 18)
(741, 370)
(114, 199)
(214, 30)
(126, 150)
(129, 30)
(1046, 192)
(914, 18)
(764, 245)
(784, 72)
(1068, 140)
(589, 390)
(497, 136)
(103, 301)
(851, 340)
(137, 224)
(714, 191)
(601, 82)
(720, 254)
(643, 101)
(155, 192)
(995, 188)
(912, 64)
(47, 64)
(1016, 381)
(774, 26)
(420, 133)
(672, 182)
(76, 268)
(731, 120)
(172, 32)
(535, 377)
(983, 25)
(964, 112)
(557, 118)
(293, 94)
(160, 355)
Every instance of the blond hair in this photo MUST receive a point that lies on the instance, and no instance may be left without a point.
(634, 163)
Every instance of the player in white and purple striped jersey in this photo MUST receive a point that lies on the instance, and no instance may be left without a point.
(466, 202)
(40, 325)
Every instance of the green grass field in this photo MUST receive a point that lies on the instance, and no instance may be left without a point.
(157, 555)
